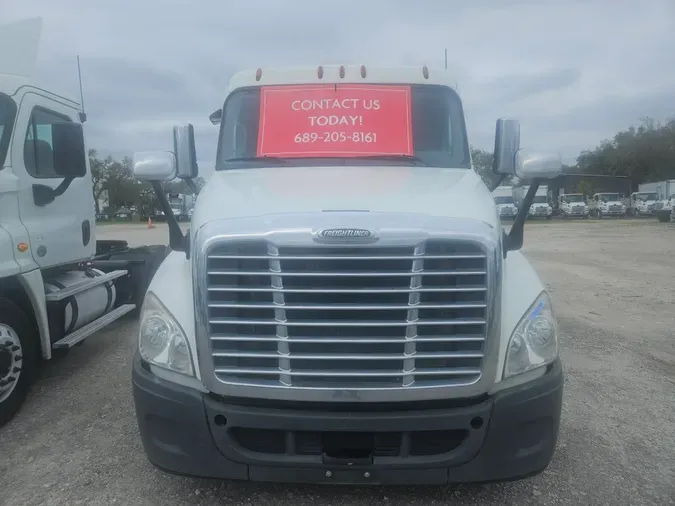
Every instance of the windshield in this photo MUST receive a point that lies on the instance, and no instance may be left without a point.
(7, 112)
(503, 200)
(573, 198)
(647, 196)
(343, 124)
(609, 197)
(540, 199)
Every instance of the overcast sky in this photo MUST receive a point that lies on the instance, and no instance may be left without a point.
(574, 72)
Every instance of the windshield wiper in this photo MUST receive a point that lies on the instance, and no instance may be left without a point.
(415, 160)
(272, 159)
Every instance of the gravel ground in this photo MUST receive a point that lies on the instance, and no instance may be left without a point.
(76, 440)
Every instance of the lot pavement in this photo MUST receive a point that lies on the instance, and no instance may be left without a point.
(76, 440)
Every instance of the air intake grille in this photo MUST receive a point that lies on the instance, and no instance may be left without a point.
(347, 317)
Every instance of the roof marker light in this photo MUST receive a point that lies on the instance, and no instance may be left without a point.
(342, 71)
(319, 72)
(258, 74)
(363, 71)
(425, 72)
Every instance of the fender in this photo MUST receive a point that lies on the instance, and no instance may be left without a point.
(33, 285)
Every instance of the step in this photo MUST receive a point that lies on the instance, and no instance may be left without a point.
(80, 334)
(71, 290)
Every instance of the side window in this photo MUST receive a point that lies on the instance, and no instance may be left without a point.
(38, 152)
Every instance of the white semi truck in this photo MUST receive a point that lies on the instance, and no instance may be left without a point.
(573, 205)
(666, 197)
(506, 205)
(181, 204)
(540, 208)
(607, 204)
(58, 284)
(642, 203)
(346, 307)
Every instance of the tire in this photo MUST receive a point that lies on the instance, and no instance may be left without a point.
(18, 367)
(663, 217)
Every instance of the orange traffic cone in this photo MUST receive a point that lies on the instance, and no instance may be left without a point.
(150, 225)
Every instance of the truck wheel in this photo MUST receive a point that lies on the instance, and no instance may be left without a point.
(663, 217)
(18, 359)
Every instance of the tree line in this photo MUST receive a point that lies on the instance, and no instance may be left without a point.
(643, 153)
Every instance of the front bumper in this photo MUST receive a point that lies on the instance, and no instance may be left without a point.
(509, 435)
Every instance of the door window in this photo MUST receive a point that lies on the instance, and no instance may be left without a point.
(38, 152)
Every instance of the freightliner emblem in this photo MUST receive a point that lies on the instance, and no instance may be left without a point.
(345, 234)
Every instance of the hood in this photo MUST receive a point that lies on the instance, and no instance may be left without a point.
(431, 191)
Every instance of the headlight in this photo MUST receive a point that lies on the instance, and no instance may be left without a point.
(162, 341)
(534, 342)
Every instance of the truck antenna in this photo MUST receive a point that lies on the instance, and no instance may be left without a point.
(83, 115)
(446, 58)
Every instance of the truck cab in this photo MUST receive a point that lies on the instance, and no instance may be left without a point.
(346, 307)
(643, 203)
(607, 204)
(573, 205)
(505, 202)
(541, 208)
(58, 284)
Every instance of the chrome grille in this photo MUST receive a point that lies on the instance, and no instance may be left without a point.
(578, 209)
(347, 317)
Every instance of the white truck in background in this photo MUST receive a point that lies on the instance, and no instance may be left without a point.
(573, 205)
(541, 208)
(607, 204)
(506, 205)
(181, 205)
(666, 197)
(643, 202)
(346, 307)
(58, 284)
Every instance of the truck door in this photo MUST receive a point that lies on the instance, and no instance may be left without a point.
(60, 231)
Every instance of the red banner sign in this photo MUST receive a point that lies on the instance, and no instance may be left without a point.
(344, 120)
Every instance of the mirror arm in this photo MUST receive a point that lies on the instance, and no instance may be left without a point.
(514, 240)
(176, 237)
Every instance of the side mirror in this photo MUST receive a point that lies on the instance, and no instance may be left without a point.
(70, 157)
(154, 166)
(507, 144)
(510, 160)
(216, 117)
(535, 165)
(185, 151)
